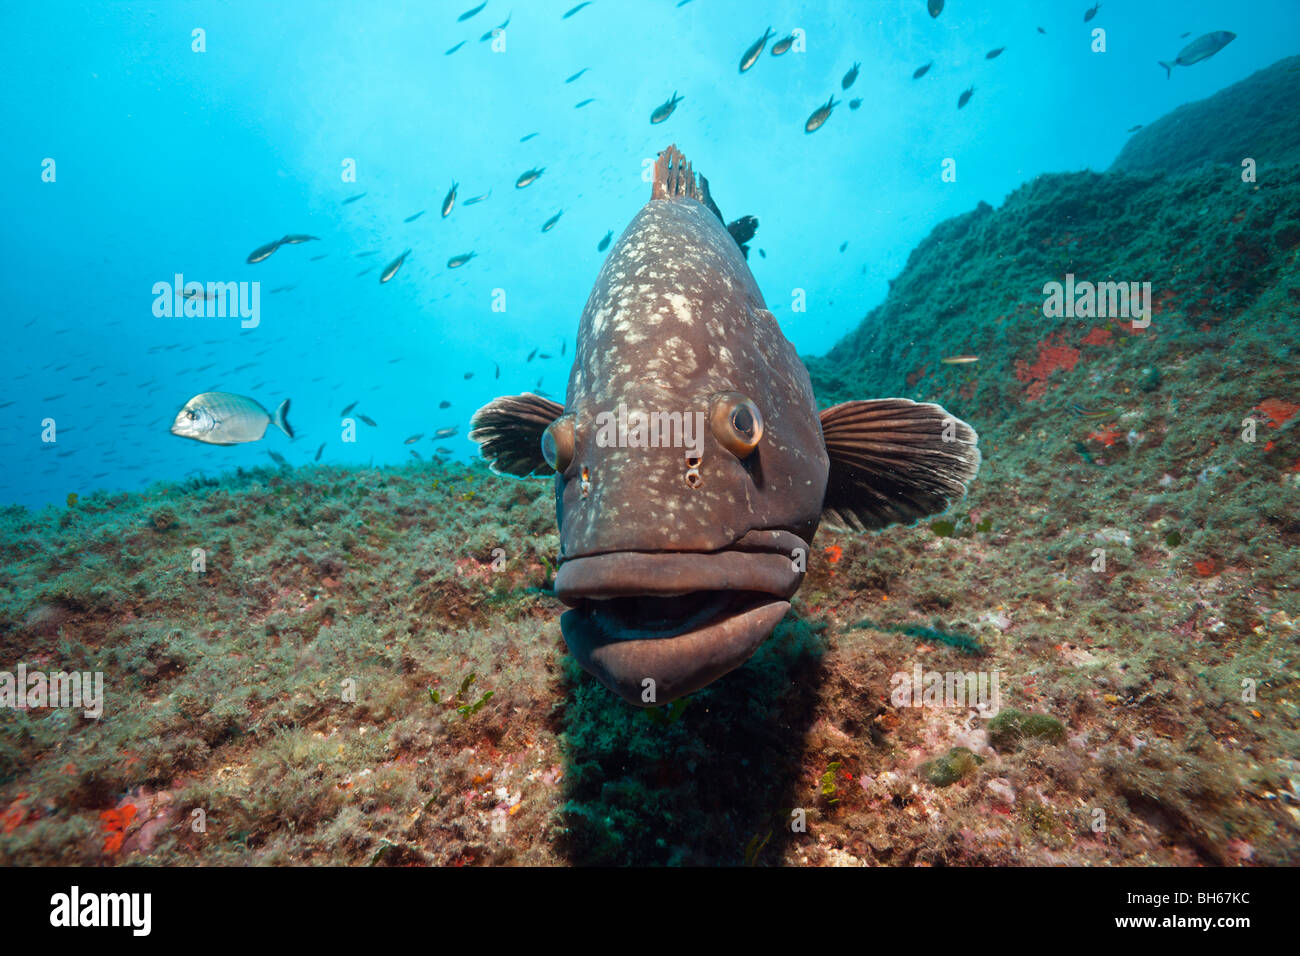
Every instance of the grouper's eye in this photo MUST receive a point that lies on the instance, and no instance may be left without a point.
(736, 422)
(557, 443)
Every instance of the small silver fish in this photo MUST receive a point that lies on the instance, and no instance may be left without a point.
(445, 432)
(414, 438)
(665, 110)
(296, 237)
(819, 116)
(278, 458)
(449, 200)
(223, 418)
(477, 199)
(756, 50)
(1202, 48)
(455, 262)
(390, 270)
(550, 223)
(528, 177)
(783, 45)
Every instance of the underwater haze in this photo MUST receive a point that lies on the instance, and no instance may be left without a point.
(138, 149)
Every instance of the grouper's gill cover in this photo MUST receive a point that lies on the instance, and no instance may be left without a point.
(675, 318)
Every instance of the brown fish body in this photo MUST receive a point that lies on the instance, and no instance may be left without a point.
(691, 465)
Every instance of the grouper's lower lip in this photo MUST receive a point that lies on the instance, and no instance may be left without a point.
(679, 619)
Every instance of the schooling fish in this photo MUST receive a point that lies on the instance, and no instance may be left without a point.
(665, 110)
(351, 199)
(449, 200)
(472, 200)
(1202, 48)
(524, 139)
(469, 13)
(756, 50)
(782, 45)
(452, 50)
(934, 6)
(587, 101)
(444, 404)
(604, 243)
(1090, 12)
(345, 411)
(319, 451)
(414, 217)
(691, 466)
(531, 355)
(278, 458)
(455, 262)
(390, 270)
(368, 421)
(550, 223)
(294, 238)
(528, 177)
(1134, 129)
(571, 12)
(920, 71)
(855, 102)
(850, 77)
(965, 97)
(994, 54)
(223, 418)
(413, 439)
(574, 77)
(263, 252)
(445, 432)
(819, 116)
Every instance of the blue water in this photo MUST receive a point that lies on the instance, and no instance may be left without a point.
(169, 161)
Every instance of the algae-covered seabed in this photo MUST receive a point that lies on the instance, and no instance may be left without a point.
(228, 691)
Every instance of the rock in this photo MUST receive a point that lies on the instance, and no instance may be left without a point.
(1011, 726)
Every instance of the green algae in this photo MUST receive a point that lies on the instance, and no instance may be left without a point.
(1010, 727)
(955, 765)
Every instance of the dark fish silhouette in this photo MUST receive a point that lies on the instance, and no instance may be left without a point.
(756, 50)
(604, 243)
(319, 451)
(452, 50)
(965, 97)
(444, 404)
(1091, 12)
(529, 177)
(524, 139)
(934, 6)
(850, 77)
(994, 54)
(414, 217)
(455, 262)
(574, 77)
(573, 10)
(469, 13)
(369, 421)
(351, 199)
(920, 71)
(855, 102)
(667, 602)
(819, 116)
(580, 105)
(665, 110)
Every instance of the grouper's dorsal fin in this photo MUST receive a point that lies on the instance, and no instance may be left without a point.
(674, 178)
(509, 432)
(894, 461)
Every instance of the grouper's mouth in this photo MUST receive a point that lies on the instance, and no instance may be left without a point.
(679, 619)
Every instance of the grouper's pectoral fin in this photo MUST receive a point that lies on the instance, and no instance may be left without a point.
(509, 431)
(894, 461)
